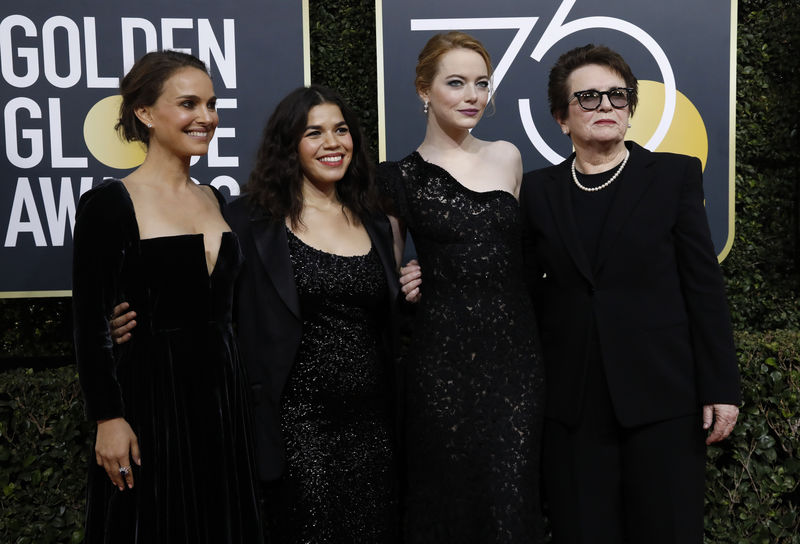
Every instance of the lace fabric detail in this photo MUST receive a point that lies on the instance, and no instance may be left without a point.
(474, 379)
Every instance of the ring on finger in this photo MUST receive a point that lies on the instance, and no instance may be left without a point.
(125, 470)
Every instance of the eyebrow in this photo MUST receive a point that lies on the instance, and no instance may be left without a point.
(193, 97)
(317, 127)
(463, 77)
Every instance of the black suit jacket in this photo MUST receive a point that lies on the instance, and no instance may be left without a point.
(269, 321)
(654, 294)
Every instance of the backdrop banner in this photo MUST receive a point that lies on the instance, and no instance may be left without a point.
(682, 52)
(60, 67)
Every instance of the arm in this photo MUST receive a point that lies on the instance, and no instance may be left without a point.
(534, 275)
(97, 262)
(390, 185)
(411, 273)
(704, 295)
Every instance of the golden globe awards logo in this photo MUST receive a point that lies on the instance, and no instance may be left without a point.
(665, 119)
(48, 63)
(687, 134)
(102, 140)
(686, 78)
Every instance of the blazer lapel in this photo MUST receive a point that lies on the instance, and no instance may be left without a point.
(557, 190)
(272, 245)
(634, 183)
(381, 235)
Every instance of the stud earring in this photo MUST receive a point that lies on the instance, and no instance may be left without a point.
(425, 108)
(629, 125)
(565, 131)
(149, 125)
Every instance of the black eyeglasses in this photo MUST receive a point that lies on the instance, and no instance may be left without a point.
(591, 99)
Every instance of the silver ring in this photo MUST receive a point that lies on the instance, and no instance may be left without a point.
(125, 470)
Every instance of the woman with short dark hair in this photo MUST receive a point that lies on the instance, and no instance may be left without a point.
(634, 323)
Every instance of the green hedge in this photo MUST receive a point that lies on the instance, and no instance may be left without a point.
(762, 269)
(44, 450)
(752, 495)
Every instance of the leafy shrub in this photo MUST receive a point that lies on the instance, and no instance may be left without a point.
(762, 267)
(44, 450)
(752, 495)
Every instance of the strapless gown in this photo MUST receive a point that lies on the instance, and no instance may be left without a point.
(183, 392)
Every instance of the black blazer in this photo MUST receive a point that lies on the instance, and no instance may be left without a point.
(654, 295)
(269, 321)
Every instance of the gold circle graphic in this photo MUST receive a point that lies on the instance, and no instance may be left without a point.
(103, 141)
(687, 133)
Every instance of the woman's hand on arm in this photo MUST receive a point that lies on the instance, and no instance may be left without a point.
(116, 444)
(122, 322)
(411, 280)
(723, 417)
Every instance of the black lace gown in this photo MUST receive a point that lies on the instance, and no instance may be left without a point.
(474, 381)
(178, 382)
(340, 484)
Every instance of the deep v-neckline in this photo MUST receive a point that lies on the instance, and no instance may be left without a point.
(209, 273)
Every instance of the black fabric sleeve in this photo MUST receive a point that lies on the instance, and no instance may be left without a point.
(98, 256)
(704, 295)
(390, 186)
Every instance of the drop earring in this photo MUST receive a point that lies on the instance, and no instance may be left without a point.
(425, 108)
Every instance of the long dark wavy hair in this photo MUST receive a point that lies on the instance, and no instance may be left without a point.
(276, 181)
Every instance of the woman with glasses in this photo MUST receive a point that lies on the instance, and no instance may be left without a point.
(635, 327)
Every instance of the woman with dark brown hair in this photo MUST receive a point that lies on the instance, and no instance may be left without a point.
(314, 315)
(635, 327)
(170, 404)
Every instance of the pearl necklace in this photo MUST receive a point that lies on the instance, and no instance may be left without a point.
(606, 184)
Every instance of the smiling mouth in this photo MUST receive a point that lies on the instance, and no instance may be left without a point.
(197, 133)
(331, 160)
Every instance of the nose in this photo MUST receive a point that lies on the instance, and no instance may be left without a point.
(605, 103)
(471, 93)
(329, 140)
(206, 116)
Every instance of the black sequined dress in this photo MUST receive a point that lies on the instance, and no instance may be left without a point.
(340, 484)
(474, 381)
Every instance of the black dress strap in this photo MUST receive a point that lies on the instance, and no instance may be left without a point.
(219, 195)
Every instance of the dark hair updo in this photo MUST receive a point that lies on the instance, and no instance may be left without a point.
(142, 86)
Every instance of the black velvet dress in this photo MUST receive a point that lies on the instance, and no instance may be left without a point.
(178, 382)
(340, 482)
(474, 380)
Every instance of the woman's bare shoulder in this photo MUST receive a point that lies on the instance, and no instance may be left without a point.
(502, 150)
